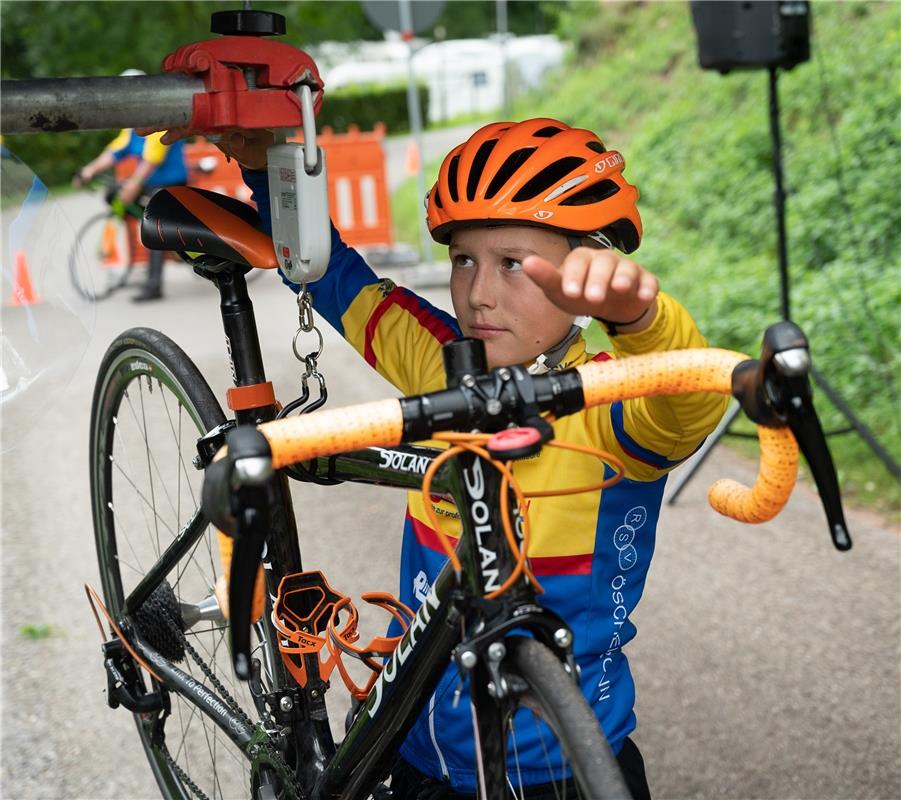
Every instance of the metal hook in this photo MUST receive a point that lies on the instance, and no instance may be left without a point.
(311, 156)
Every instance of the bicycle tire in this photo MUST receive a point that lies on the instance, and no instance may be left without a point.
(147, 392)
(91, 277)
(542, 692)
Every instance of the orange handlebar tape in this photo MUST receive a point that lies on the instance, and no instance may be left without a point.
(775, 480)
(670, 372)
(708, 370)
(325, 432)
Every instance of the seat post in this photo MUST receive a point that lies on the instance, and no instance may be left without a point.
(241, 336)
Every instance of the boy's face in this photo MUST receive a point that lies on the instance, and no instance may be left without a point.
(496, 301)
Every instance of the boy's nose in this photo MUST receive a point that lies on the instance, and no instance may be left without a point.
(482, 290)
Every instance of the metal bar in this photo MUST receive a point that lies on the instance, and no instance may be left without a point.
(185, 540)
(863, 431)
(59, 105)
(207, 702)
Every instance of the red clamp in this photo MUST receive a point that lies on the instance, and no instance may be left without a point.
(228, 101)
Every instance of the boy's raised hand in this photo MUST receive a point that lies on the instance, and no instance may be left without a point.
(247, 147)
(598, 283)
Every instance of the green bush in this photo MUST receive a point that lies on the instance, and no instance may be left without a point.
(366, 105)
(55, 157)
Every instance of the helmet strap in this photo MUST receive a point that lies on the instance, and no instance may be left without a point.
(551, 358)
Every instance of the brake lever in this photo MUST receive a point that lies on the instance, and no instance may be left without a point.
(775, 391)
(252, 496)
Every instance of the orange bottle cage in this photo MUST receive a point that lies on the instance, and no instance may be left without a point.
(331, 624)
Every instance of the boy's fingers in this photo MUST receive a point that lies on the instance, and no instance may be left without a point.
(602, 268)
(573, 273)
(544, 274)
(626, 278)
(648, 287)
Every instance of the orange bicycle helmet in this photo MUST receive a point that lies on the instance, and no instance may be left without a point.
(537, 172)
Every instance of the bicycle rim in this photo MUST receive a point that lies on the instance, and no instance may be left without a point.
(101, 257)
(150, 406)
(552, 744)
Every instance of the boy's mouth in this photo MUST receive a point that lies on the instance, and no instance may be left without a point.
(482, 331)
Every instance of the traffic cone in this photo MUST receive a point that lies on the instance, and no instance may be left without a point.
(411, 162)
(109, 246)
(23, 292)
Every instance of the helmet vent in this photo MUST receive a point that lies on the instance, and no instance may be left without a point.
(591, 194)
(514, 162)
(548, 131)
(598, 147)
(452, 178)
(438, 199)
(550, 175)
(478, 167)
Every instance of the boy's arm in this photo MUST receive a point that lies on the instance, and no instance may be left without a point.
(655, 434)
(397, 332)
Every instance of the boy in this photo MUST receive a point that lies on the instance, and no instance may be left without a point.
(531, 212)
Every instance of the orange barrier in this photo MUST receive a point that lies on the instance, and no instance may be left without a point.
(23, 290)
(359, 204)
(209, 169)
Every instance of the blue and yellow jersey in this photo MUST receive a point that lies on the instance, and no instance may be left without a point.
(169, 160)
(591, 551)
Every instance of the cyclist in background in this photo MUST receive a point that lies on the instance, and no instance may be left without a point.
(533, 213)
(158, 165)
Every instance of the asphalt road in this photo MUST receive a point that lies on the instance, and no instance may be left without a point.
(767, 663)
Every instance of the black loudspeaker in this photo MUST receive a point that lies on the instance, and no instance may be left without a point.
(733, 34)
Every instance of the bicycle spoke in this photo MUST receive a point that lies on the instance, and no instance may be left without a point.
(149, 471)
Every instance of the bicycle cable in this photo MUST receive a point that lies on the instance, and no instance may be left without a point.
(461, 442)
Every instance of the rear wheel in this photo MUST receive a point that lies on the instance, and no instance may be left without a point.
(547, 743)
(150, 406)
(101, 257)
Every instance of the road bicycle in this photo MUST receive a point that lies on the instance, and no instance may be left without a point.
(220, 642)
(102, 258)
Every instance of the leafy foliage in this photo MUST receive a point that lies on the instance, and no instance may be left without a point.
(366, 105)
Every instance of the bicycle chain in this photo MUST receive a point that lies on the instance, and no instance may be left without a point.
(289, 780)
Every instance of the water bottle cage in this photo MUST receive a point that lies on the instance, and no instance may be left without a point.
(311, 617)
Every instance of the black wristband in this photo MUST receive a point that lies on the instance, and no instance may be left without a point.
(612, 327)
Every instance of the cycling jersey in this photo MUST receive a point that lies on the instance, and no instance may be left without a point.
(169, 160)
(591, 551)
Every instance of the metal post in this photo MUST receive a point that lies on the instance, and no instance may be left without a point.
(501, 6)
(779, 196)
(415, 112)
(58, 105)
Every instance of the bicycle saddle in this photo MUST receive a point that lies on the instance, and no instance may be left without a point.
(182, 218)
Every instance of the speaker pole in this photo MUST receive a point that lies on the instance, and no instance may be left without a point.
(779, 197)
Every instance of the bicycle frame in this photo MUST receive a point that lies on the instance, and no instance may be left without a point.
(451, 613)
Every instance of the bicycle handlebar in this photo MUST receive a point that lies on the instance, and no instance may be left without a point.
(383, 423)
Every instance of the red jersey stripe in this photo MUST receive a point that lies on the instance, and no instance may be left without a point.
(561, 565)
(409, 303)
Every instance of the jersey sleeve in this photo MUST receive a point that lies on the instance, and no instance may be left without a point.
(396, 331)
(154, 151)
(118, 147)
(655, 434)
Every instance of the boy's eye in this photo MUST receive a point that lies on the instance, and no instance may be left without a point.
(462, 261)
(512, 265)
